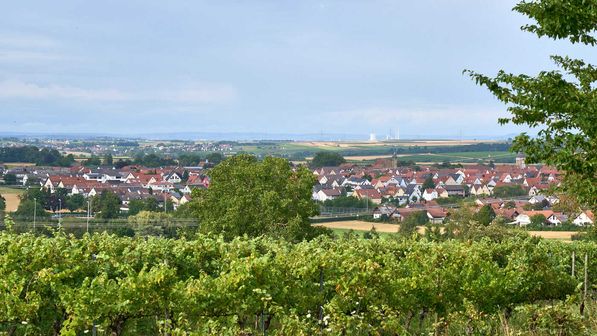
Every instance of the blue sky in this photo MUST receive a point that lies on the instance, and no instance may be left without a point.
(346, 67)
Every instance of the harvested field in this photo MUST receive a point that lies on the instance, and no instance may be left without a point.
(18, 164)
(11, 196)
(561, 235)
(392, 228)
(361, 226)
(350, 144)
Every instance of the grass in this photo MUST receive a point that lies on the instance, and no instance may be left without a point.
(341, 232)
(10, 190)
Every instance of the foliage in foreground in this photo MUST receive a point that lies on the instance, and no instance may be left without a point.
(561, 104)
(347, 286)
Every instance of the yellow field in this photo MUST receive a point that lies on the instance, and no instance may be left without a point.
(393, 228)
(11, 196)
(350, 144)
(18, 164)
(561, 235)
(361, 226)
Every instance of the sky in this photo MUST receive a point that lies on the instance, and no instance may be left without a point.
(262, 66)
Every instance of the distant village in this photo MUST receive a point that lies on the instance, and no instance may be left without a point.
(516, 193)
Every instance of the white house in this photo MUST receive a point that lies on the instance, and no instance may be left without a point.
(430, 194)
(327, 194)
(585, 218)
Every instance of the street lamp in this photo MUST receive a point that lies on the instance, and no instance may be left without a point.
(34, 212)
(59, 210)
(88, 213)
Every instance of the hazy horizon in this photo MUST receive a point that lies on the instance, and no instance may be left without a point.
(312, 67)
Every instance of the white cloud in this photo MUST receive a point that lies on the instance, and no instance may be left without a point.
(200, 94)
(17, 89)
(206, 93)
(26, 41)
(22, 56)
(424, 120)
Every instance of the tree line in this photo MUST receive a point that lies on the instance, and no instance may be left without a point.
(39, 156)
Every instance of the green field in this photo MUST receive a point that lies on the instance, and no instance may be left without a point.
(460, 157)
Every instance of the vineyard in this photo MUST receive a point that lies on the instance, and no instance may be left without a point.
(108, 285)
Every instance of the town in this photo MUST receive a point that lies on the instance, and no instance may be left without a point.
(518, 194)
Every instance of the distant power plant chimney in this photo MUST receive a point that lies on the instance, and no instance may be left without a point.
(372, 137)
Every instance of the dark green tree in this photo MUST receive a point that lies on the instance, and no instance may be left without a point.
(513, 190)
(122, 163)
(107, 205)
(252, 197)
(75, 202)
(485, 215)
(108, 160)
(215, 158)
(538, 220)
(93, 161)
(409, 225)
(10, 179)
(428, 184)
(327, 159)
(27, 208)
(561, 104)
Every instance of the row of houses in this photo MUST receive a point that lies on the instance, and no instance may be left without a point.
(389, 187)
(130, 183)
(409, 185)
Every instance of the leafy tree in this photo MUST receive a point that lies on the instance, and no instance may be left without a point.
(57, 200)
(485, 215)
(256, 198)
(409, 225)
(153, 160)
(122, 163)
(562, 103)
(538, 220)
(428, 184)
(44, 156)
(349, 202)
(567, 204)
(327, 159)
(42, 197)
(107, 205)
(148, 223)
(2, 203)
(75, 202)
(371, 234)
(189, 159)
(93, 161)
(147, 204)
(10, 179)
(108, 160)
(27, 209)
(505, 191)
(215, 158)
